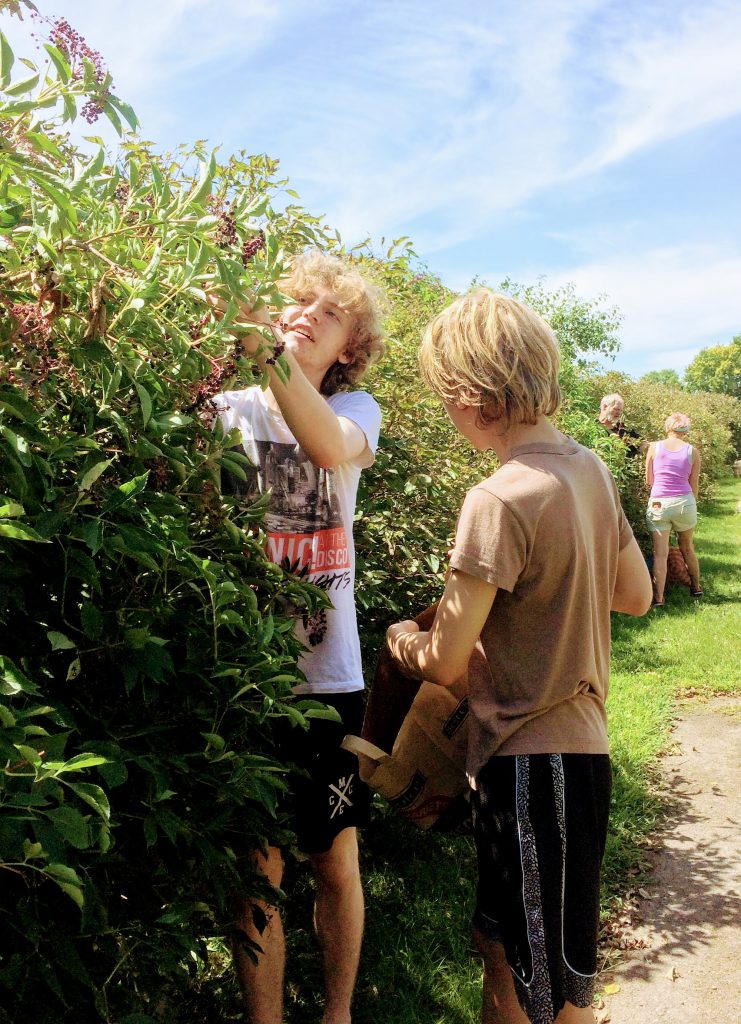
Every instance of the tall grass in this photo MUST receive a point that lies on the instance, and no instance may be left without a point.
(417, 962)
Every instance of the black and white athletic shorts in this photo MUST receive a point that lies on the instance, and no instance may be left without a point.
(540, 824)
(327, 796)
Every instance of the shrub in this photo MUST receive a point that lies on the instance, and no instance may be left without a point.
(647, 404)
(146, 639)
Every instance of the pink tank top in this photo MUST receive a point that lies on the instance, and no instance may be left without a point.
(671, 472)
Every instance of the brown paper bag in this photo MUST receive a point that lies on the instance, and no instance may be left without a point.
(425, 728)
(424, 776)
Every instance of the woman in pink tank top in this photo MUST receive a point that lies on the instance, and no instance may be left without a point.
(673, 473)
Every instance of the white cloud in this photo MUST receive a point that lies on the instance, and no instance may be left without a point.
(669, 81)
(675, 301)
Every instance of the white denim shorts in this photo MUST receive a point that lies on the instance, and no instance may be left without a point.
(664, 513)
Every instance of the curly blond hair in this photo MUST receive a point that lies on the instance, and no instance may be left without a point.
(494, 354)
(357, 296)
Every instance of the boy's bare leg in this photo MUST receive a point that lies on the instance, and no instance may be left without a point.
(688, 553)
(575, 1015)
(262, 982)
(338, 919)
(500, 1004)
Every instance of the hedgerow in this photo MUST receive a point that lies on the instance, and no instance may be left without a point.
(145, 639)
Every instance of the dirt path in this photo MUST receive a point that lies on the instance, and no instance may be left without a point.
(686, 968)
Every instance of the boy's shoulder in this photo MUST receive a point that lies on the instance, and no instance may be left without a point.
(539, 470)
(363, 400)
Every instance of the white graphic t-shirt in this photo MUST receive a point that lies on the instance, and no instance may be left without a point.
(309, 523)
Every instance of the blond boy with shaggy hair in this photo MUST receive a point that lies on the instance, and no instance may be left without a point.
(543, 553)
(309, 437)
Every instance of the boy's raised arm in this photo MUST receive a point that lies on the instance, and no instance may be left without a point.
(328, 439)
(442, 654)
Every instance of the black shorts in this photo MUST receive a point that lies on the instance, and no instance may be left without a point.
(327, 795)
(540, 824)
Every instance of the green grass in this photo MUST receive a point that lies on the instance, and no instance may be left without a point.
(417, 962)
(687, 648)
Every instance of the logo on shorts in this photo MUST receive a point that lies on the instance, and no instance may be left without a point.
(339, 795)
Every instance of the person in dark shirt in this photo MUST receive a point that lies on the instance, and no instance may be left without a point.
(610, 416)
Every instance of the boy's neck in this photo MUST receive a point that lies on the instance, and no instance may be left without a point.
(541, 432)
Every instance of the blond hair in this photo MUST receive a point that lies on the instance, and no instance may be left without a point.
(492, 353)
(355, 295)
(677, 423)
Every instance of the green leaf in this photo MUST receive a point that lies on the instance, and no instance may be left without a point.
(40, 141)
(203, 188)
(125, 492)
(60, 642)
(18, 107)
(80, 761)
(10, 215)
(10, 509)
(25, 85)
(90, 170)
(70, 825)
(67, 880)
(12, 680)
(214, 740)
(93, 796)
(145, 401)
(124, 109)
(92, 620)
(32, 851)
(58, 197)
(19, 531)
(60, 62)
(91, 475)
(7, 60)
(111, 114)
(17, 406)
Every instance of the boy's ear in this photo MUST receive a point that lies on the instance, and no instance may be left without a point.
(344, 357)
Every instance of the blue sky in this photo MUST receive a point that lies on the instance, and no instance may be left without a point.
(587, 141)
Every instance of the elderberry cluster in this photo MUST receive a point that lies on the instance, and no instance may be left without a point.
(29, 338)
(196, 328)
(213, 384)
(252, 246)
(76, 50)
(32, 324)
(226, 230)
(159, 474)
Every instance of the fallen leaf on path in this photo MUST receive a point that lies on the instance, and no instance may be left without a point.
(611, 989)
(646, 894)
(672, 975)
(603, 1017)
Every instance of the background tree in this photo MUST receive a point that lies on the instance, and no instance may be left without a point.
(669, 378)
(716, 369)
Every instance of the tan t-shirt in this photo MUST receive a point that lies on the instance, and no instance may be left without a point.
(546, 529)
